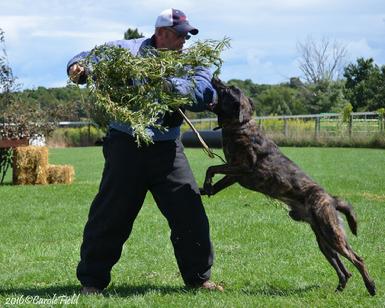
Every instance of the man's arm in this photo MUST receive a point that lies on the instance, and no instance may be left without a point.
(198, 87)
(78, 73)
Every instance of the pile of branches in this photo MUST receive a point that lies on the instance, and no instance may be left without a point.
(134, 89)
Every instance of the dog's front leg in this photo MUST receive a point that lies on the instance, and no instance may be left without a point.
(225, 169)
(218, 186)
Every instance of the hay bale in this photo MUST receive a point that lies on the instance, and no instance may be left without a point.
(30, 165)
(60, 174)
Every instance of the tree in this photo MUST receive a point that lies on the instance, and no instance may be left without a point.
(7, 84)
(320, 61)
(323, 97)
(132, 34)
(18, 120)
(365, 85)
(7, 80)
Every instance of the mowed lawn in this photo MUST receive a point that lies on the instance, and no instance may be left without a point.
(263, 258)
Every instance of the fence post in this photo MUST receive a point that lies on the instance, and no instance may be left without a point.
(317, 127)
(381, 120)
(350, 127)
(89, 134)
(285, 128)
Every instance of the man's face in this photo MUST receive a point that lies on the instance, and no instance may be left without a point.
(170, 39)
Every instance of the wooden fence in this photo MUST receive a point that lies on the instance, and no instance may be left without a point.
(327, 125)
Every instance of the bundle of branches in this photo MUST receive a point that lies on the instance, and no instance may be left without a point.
(133, 89)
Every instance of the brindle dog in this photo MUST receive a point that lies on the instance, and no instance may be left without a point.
(256, 163)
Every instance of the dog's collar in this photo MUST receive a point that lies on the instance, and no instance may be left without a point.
(237, 126)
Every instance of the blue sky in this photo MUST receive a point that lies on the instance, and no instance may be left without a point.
(42, 35)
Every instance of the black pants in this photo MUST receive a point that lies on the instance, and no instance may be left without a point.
(129, 172)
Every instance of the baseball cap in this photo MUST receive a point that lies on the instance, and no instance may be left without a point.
(177, 20)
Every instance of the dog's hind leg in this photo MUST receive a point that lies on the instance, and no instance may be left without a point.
(342, 266)
(332, 257)
(336, 239)
(347, 252)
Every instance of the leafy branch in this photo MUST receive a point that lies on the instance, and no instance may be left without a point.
(134, 89)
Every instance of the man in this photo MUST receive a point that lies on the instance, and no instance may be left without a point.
(161, 168)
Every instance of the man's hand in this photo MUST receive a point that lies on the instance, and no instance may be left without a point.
(75, 72)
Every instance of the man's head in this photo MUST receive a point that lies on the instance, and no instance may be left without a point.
(172, 29)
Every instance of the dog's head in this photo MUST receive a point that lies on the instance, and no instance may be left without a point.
(232, 104)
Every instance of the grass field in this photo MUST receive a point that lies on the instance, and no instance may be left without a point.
(262, 257)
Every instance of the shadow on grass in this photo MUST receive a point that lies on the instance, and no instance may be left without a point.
(270, 290)
(130, 290)
(113, 291)
(135, 290)
(45, 291)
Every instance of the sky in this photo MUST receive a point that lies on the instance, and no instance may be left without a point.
(43, 35)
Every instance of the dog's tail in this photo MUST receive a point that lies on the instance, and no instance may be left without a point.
(347, 209)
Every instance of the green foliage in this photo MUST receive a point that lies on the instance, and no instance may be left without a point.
(18, 118)
(347, 112)
(294, 98)
(134, 89)
(5, 162)
(132, 34)
(75, 137)
(7, 80)
(74, 103)
(279, 100)
(365, 85)
(323, 97)
(381, 112)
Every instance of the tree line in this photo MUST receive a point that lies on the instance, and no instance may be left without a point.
(326, 86)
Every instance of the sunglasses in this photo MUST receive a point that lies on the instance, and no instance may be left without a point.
(179, 35)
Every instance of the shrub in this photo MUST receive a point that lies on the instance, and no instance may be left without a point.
(75, 137)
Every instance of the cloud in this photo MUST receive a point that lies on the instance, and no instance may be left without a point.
(16, 27)
(361, 48)
(42, 37)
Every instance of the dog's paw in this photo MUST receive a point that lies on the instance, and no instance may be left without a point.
(202, 191)
(208, 189)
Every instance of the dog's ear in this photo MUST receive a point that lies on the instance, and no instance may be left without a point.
(217, 83)
(246, 108)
